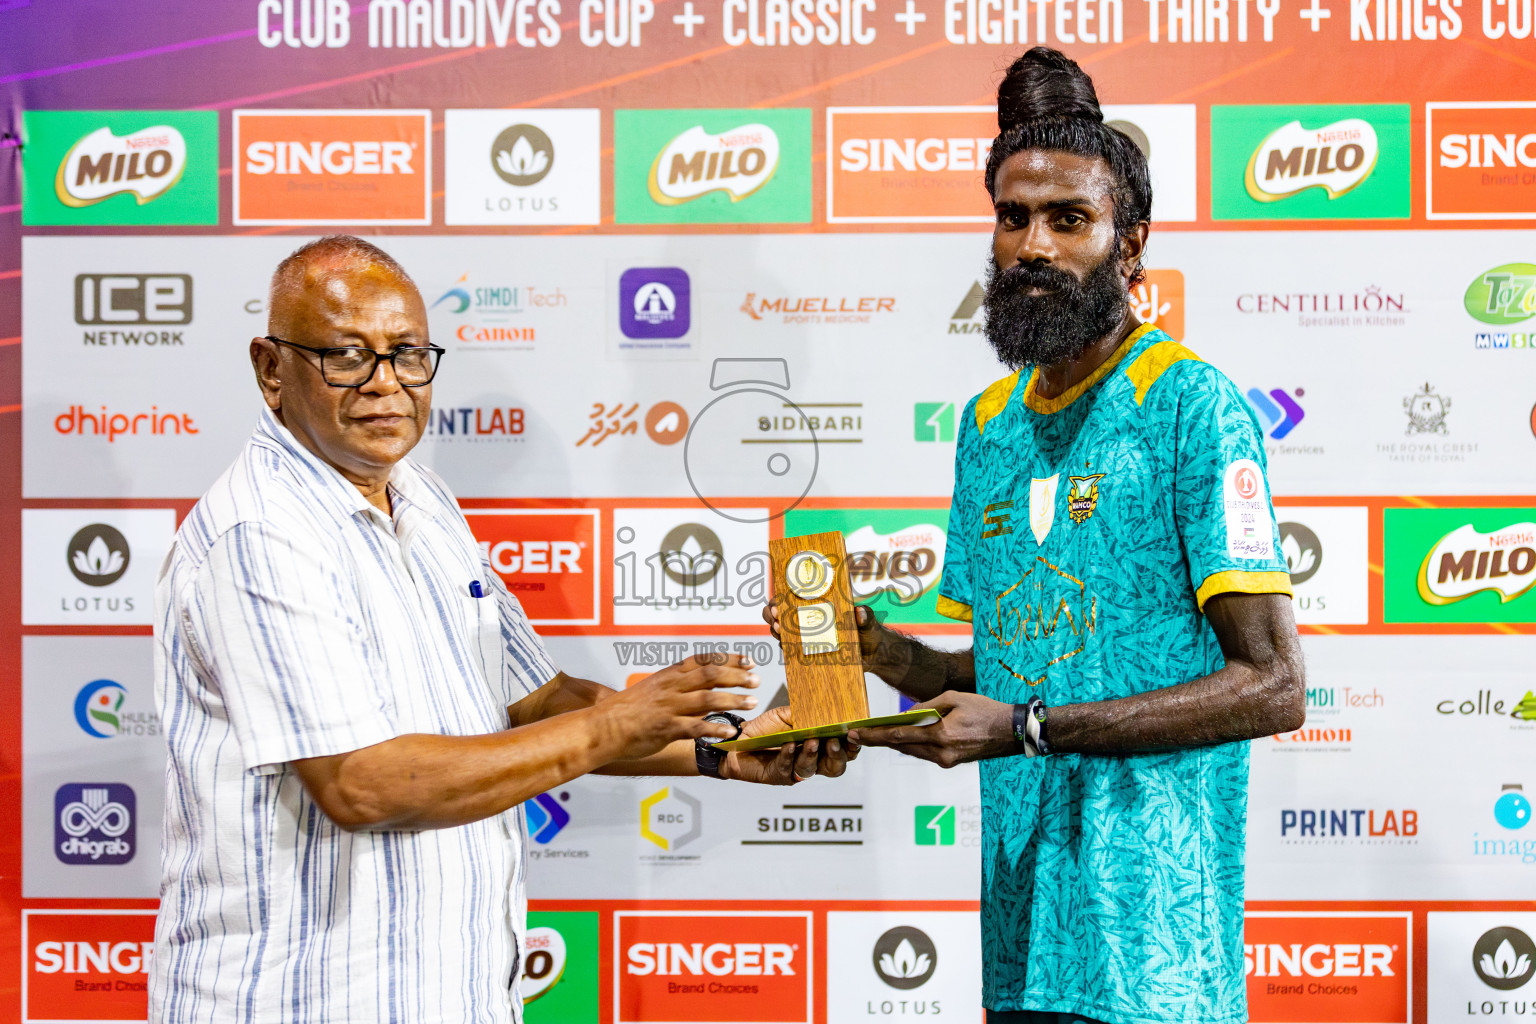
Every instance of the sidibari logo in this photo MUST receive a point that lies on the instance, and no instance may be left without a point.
(143, 163)
(696, 163)
(1466, 562)
(98, 555)
(1504, 295)
(1336, 158)
(905, 958)
(1504, 958)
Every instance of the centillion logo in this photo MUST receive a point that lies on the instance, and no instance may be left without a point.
(1336, 158)
(737, 162)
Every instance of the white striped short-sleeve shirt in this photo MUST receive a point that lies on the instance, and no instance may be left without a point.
(296, 620)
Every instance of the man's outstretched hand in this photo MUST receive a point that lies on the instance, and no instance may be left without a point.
(973, 728)
(791, 763)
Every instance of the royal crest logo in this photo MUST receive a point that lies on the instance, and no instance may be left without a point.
(1083, 497)
(1426, 412)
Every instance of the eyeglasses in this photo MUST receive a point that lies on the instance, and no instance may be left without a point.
(354, 366)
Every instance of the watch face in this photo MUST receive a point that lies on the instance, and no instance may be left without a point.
(808, 575)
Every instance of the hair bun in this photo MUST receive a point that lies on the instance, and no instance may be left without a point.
(1045, 83)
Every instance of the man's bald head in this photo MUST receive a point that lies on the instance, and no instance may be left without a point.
(309, 276)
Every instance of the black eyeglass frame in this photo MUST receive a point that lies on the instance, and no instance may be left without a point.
(377, 359)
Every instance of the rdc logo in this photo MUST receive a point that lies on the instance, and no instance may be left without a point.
(93, 823)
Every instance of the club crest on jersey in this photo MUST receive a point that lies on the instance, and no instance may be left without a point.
(1083, 497)
(1042, 506)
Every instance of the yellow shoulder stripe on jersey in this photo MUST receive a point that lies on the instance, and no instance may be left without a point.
(995, 399)
(1046, 406)
(952, 609)
(1238, 582)
(1150, 365)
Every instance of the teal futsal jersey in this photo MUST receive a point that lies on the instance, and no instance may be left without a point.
(1086, 535)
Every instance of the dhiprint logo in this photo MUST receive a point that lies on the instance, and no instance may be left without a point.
(933, 825)
(1504, 958)
(905, 958)
(1278, 410)
(695, 163)
(654, 302)
(1426, 412)
(522, 155)
(94, 823)
(98, 708)
(1302, 550)
(546, 818)
(671, 818)
(98, 555)
(1512, 810)
(933, 421)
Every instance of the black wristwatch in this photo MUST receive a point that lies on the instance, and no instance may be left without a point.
(705, 753)
(1029, 728)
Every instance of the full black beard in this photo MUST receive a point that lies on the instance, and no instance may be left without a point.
(1038, 330)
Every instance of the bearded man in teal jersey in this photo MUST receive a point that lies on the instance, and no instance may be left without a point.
(1113, 545)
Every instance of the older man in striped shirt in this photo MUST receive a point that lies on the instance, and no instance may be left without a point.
(355, 706)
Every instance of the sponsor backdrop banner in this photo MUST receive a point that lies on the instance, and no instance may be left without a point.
(710, 272)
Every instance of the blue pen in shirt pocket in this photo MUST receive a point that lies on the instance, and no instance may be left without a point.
(475, 589)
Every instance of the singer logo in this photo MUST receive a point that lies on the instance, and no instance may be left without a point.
(1327, 966)
(86, 965)
(333, 167)
(1480, 160)
(699, 966)
(546, 557)
(909, 164)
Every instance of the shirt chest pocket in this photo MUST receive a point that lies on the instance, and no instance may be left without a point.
(484, 621)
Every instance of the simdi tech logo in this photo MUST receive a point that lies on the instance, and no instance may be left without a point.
(1328, 966)
(1460, 564)
(1481, 161)
(745, 966)
(301, 167)
(1310, 162)
(712, 166)
(86, 964)
(128, 167)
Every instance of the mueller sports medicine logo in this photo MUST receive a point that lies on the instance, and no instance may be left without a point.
(1327, 966)
(94, 823)
(86, 965)
(749, 966)
(1467, 561)
(144, 164)
(1335, 158)
(1482, 160)
(332, 167)
(695, 163)
(805, 309)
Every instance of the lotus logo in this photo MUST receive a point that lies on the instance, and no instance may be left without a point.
(1302, 550)
(98, 555)
(1504, 295)
(905, 958)
(691, 554)
(1466, 562)
(1503, 958)
(1336, 158)
(696, 163)
(522, 155)
(143, 164)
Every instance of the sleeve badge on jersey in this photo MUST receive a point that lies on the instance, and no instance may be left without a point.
(1250, 524)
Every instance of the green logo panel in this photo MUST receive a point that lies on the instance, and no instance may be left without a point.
(573, 997)
(1460, 565)
(900, 551)
(1504, 295)
(1310, 162)
(712, 166)
(120, 167)
(933, 825)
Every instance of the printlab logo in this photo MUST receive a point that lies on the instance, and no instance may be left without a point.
(522, 155)
(654, 302)
(1303, 552)
(1504, 958)
(933, 825)
(94, 823)
(98, 555)
(666, 423)
(671, 818)
(1280, 412)
(933, 421)
(905, 958)
(1426, 412)
(546, 818)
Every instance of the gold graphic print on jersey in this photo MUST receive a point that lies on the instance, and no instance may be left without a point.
(1032, 611)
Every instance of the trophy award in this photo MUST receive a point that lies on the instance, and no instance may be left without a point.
(822, 665)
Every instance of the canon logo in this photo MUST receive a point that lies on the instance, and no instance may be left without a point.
(88, 957)
(1319, 960)
(511, 556)
(329, 158)
(719, 958)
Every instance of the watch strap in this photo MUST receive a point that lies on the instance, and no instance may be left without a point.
(706, 755)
